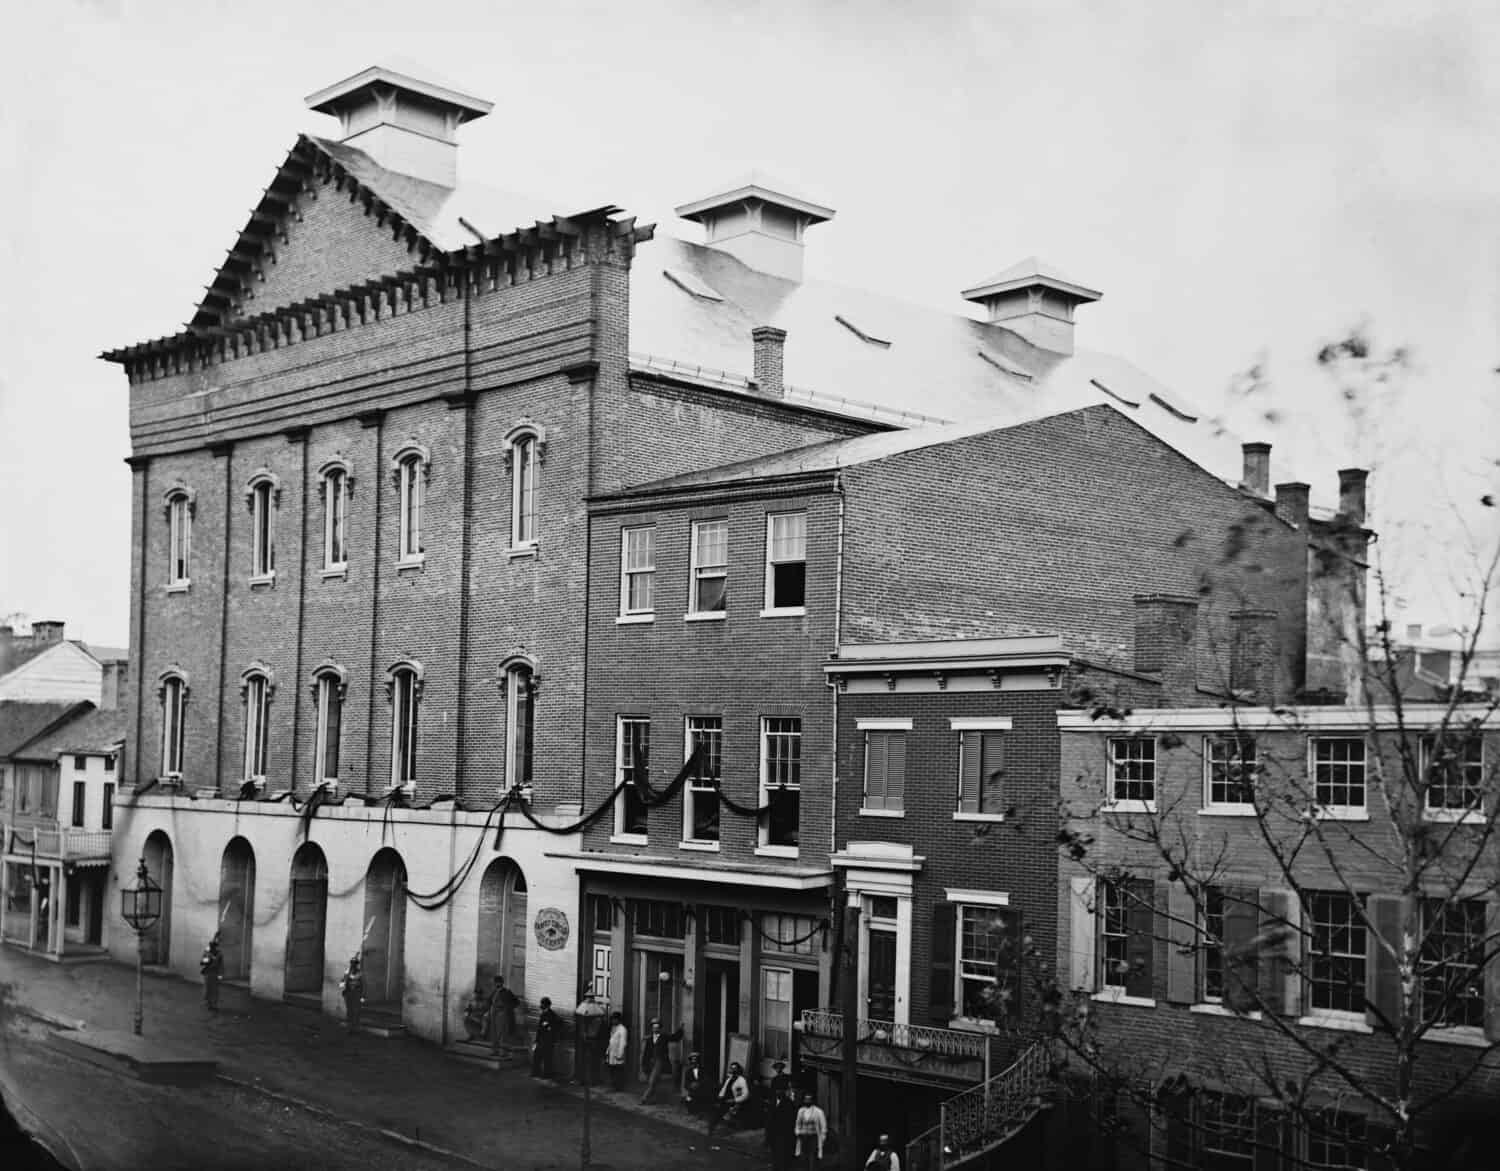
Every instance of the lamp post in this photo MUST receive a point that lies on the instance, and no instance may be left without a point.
(140, 905)
(588, 1016)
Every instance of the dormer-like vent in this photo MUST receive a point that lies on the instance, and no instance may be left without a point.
(690, 284)
(863, 335)
(1034, 300)
(756, 220)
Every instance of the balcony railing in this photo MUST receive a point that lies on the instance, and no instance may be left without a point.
(980, 1119)
(951, 1043)
(53, 841)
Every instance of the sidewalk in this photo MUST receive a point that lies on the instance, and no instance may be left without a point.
(402, 1086)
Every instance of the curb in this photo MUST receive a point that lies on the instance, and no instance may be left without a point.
(344, 1120)
(56, 1020)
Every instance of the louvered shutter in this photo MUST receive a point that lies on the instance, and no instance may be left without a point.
(1382, 979)
(1182, 952)
(875, 769)
(940, 978)
(895, 771)
(992, 772)
(1140, 941)
(1280, 952)
(1083, 931)
(968, 772)
(1241, 930)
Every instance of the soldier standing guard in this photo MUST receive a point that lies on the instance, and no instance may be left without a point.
(352, 988)
(212, 967)
(547, 1029)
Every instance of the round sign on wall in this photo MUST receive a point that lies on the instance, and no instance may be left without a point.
(551, 928)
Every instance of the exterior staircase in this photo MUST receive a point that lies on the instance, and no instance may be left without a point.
(479, 1052)
(382, 1020)
(984, 1117)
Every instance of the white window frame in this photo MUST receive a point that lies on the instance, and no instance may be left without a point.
(1430, 812)
(328, 689)
(263, 507)
(691, 790)
(1318, 1013)
(621, 834)
(1346, 812)
(406, 706)
(765, 846)
(979, 902)
(772, 610)
(783, 974)
(173, 710)
(1113, 800)
(411, 479)
(645, 571)
(986, 725)
(1426, 966)
(257, 744)
(901, 726)
(520, 677)
(1211, 746)
(179, 540)
(524, 452)
(700, 572)
(335, 481)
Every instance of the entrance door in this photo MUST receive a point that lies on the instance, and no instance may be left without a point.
(659, 994)
(515, 936)
(501, 938)
(237, 908)
(385, 931)
(721, 1012)
(880, 975)
(304, 945)
(157, 942)
(94, 933)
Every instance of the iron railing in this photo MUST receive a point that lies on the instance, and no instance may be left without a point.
(58, 841)
(985, 1116)
(817, 1022)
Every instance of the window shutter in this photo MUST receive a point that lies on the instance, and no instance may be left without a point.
(1382, 981)
(940, 979)
(1140, 942)
(1268, 1137)
(1241, 932)
(1083, 927)
(968, 772)
(875, 768)
(1492, 975)
(895, 772)
(992, 770)
(1280, 935)
(1182, 952)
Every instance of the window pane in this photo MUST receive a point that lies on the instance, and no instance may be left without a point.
(789, 584)
(789, 536)
(1133, 764)
(1339, 772)
(712, 592)
(634, 767)
(711, 543)
(1338, 960)
(332, 713)
(705, 737)
(1231, 771)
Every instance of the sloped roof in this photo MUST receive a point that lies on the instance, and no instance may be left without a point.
(107, 654)
(1030, 271)
(21, 723)
(95, 731)
(22, 651)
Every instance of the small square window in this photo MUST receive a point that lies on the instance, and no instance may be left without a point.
(1339, 772)
(80, 763)
(1231, 764)
(1453, 766)
(1133, 769)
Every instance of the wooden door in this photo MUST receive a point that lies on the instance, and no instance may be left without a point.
(515, 940)
(304, 959)
(880, 976)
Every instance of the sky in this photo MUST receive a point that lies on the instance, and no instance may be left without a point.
(1244, 181)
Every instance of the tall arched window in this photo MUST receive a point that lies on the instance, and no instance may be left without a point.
(524, 449)
(520, 721)
(263, 495)
(179, 537)
(328, 698)
(406, 698)
(173, 694)
(255, 686)
(410, 466)
(335, 484)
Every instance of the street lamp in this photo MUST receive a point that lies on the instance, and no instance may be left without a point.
(141, 907)
(588, 1016)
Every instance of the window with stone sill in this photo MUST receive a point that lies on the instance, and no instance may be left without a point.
(781, 780)
(255, 688)
(404, 685)
(264, 498)
(786, 561)
(1230, 765)
(638, 571)
(336, 485)
(525, 450)
(1338, 765)
(179, 504)
(710, 567)
(172, 696)
(411, 469)
(1132, 761)
(1453, 765)
(632, 770)
(700, 804)
(1337, 953)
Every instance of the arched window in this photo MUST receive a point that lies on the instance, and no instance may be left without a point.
(256, 687)
(173, 695)
(525, 445)
(336, 483)
(263, 496)
(520, 720)
(328, 699)
(410, 466)
(179, 536)
(405, 682)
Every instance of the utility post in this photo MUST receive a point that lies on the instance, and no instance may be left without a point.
(849, 1007)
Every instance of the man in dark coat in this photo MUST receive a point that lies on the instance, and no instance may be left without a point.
(352, 988)
(212, 967)
(547, 1029)
(656, 1057)
(781, 1125)
(697, 1089)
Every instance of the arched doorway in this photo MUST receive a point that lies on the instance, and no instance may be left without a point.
(237, 908)
(502, 927)
(156, 944)
(304, 945)
(384, 931)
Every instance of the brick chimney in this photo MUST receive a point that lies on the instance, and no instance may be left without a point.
(1166, 643)
(1352, 494)
(46, 632)
(403, 119)
(756, 220)
(1252, 654)
(112, 684)
(1292, 502)
(1034, 300)
(770, 344)
(7, 641)
(1256, 477)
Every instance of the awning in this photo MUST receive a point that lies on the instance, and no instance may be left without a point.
(724, 873)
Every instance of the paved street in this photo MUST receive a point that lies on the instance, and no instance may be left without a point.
(311, 1094)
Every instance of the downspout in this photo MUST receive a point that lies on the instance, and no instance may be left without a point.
(838, 609)
(300, 436)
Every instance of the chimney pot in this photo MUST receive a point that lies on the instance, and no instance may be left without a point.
(1166, 642)
(50, 631)
(770, 344)
(1352, 494)
(1256, 477)
(1292, 503)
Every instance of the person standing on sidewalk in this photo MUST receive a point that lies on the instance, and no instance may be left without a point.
(882, 1158)
(352, 988)
(615, 1050)
(656, 1057)
(811, 1128)
(781, 1126)
(546, 1037)
(212, 967)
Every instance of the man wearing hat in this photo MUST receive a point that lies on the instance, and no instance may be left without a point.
(656, 1057)
(352, 987)
(697, 1090)
(780, 1079)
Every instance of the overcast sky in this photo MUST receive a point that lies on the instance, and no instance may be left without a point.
(1243, 181)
